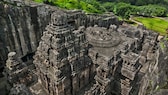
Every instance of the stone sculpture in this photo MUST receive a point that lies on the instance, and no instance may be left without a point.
(81, 54)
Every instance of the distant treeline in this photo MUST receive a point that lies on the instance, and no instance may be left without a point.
(89, 6)
(122, 8)
(140, 2)
(139, 7)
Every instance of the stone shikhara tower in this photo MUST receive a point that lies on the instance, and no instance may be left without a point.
(61, 61)
(105, 57)
(94, 60)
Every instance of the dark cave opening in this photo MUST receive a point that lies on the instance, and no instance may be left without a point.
(28, 57)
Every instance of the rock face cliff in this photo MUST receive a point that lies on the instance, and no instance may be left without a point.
(22, 24)
(96, 60)
(21, 27)
(61, 54)
(78, 53)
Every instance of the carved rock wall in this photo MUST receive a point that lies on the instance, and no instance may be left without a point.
(125, 67)
(61, 61)
(23, 22)
(21, 27)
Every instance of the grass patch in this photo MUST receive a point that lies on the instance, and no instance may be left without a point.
(162, 45)
(89, 6)
(130, 22)
(155, 24)
(39, 1)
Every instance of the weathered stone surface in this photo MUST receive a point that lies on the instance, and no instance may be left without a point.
(21, 26)
(126, 61)
(63, 60)
(19, 89)
(117, 57)
(23, 23)
(17, 72)
(78, 53)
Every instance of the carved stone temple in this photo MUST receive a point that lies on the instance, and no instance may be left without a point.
(61, 58)
(92, 60)
(69, 52)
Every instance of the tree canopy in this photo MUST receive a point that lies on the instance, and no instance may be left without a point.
(122, 8)
(90, 6)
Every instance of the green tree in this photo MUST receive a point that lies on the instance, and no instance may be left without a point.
(152, 10)
(109, 6)
(124, 10)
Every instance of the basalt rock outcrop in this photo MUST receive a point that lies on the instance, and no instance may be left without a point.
(114, 60)
(60, 57)
(21, 27)
(18, 74)
(22, 24)
(51, 51)
(121, 67)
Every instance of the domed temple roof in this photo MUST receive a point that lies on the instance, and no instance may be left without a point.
(103, 37)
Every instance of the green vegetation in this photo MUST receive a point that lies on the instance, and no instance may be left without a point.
(123, 9)
(39, 1)
(89, 6)
(151, 10)
(156, 24)
(140, 2)
(161, 3)
(162, 45)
